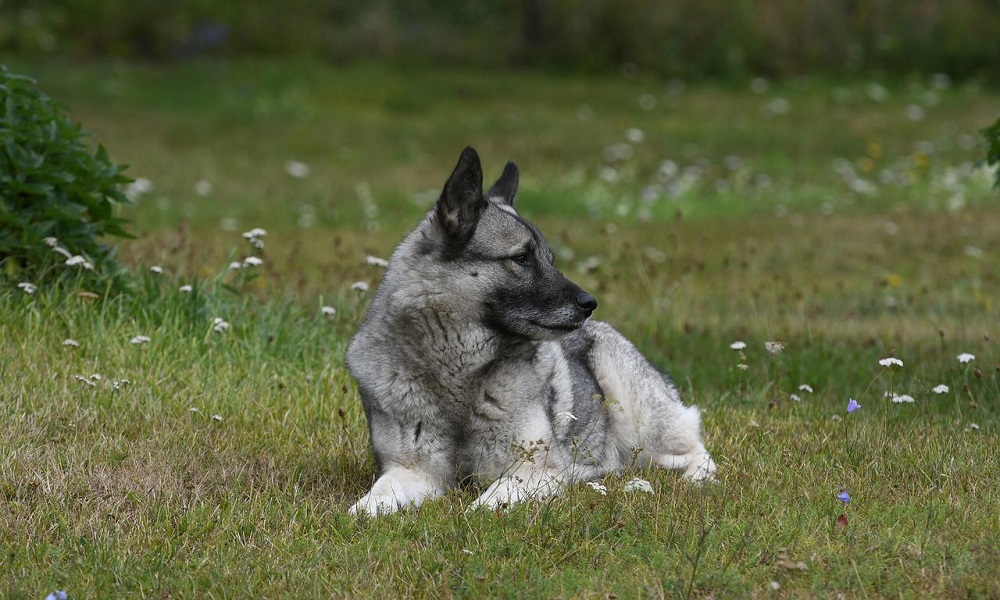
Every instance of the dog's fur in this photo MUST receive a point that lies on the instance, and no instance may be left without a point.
(477, 359)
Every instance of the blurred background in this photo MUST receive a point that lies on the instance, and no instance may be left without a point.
(677, 38)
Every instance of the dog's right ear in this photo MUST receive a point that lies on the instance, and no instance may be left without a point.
(461, 201)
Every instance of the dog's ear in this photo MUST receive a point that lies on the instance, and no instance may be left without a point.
(506, 187)
(461, 200)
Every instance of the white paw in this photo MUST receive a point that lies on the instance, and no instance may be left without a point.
(701, 469)
(396, 489)
(507, 491)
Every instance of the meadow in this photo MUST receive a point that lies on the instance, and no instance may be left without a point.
(770, 244)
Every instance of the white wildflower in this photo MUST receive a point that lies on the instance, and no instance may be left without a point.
(972, 427)
(738, 345)
(941, 389)
(634, 135)
(296, 169)
(795, 397)
(597, 487)
(360, 286)
(742, 366)
(328, 311)
(51, 242)
(156, 269)
(256, 232)
(118, 383)
(774, 585)
(139, 339)
(86, 381)
(71, 342)
(235, 265)
(220, 325)
(965, 357)
(216, 417)
(79, 260)
(252, 261)
(902, 399)
(890, 361)
(376, 261)
(186, 289)
(29, 288)
(203, 188)
(805, 387)
(774, 347)
(193, 409)
(638, 485)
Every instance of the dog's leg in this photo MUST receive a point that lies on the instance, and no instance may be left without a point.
(416, 463)
(645, 408)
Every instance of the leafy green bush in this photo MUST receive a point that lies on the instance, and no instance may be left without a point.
(57, 200)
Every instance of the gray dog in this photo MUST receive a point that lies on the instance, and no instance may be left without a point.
(477, 359)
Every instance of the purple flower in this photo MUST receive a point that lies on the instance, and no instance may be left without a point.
(844, 497)
(852, 406)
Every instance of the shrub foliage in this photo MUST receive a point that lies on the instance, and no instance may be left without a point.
(57, 199)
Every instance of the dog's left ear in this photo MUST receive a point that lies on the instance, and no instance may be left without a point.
(506, 187)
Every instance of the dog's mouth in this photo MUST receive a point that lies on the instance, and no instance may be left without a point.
(560, 327)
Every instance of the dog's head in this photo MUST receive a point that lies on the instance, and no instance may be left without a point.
(501, 259)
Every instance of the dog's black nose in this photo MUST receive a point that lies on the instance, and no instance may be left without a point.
(586, 301)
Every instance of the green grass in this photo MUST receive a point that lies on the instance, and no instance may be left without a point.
(108, 492)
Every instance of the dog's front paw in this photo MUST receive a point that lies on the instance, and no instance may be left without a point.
(373, 505)
(701, 469)
(397, 489)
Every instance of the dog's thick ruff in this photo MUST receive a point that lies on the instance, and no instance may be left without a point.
(477, 358)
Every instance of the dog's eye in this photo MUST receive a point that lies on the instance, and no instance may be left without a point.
(522, 259)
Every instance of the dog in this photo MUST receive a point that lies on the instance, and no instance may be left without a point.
(477, 360)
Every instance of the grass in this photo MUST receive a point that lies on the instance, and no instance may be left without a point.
(112, 490)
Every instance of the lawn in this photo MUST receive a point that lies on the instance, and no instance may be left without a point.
(844, 219)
